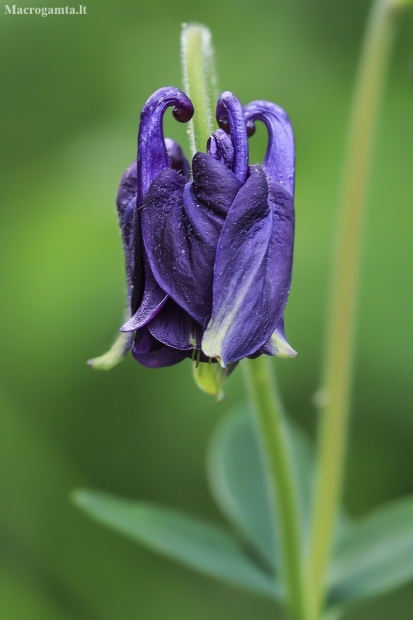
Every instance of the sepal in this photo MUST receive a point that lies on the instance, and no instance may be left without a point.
(211, 378)
(115, 354)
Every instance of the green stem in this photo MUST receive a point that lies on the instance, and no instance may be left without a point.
(199, 78)
(275, 445)
(339, 353)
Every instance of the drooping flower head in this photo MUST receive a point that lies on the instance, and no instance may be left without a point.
(208, 256)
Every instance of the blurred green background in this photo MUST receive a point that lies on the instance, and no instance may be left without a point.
(72, 90)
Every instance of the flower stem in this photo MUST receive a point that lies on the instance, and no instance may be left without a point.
(339, 352)
(274, 440)
(199, 78)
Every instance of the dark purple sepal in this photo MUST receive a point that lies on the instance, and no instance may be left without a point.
(153, 354)
(279, 161)
(245, 291)
(180, 240)
(174, 327)
(152, 152)
(126, 202)
(153, 299)
(214, 185)
(144, 342)
(282, 205)
(280, 256)
(127, 189)
(135, 260)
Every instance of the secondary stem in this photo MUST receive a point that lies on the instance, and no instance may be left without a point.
(338, 361)
(274, 441)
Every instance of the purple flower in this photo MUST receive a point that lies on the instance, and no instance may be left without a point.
(208, 260)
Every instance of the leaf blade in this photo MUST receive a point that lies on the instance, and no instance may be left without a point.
(237, 480)
(195, 543)
(376, 556)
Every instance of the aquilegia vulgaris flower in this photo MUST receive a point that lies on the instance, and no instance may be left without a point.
(208, 260)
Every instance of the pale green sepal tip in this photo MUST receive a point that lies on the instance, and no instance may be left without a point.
(115, 354)
(210, 378)
(212, 343)
(279, 346)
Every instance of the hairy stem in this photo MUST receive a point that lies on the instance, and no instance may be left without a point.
(274, 440)
(199, 78)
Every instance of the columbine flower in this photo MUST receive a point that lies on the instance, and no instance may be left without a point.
(208, 261)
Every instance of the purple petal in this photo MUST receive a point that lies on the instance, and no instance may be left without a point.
(214, 184)
(144, 342)
(249, 286)
(177, 159)
(154, 298)
(230, 116)
(180, 239)
(152, 153)
(219, 146)
(174, 327)
(153, 354)
(134, 260)
(128, 221)
(127, 189)
(282, 242)
(279, 161)
(125, 202)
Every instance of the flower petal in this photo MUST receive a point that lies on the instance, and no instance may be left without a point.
(135, 260)
(279, 161)
(281, 253)
(247, 287)
(154, 298)
(219, 146)
(180, 239)
(174, 327)
(153, 354)
(127, 189)
(152, 153)
(229, 114)
(126, 203)
(177, 159)
(214, 184)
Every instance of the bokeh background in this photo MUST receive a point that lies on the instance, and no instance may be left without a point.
(72, 90)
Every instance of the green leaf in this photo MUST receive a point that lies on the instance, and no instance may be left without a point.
(238, 483)
(376, 556)
(237, 479)
(197, 544)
